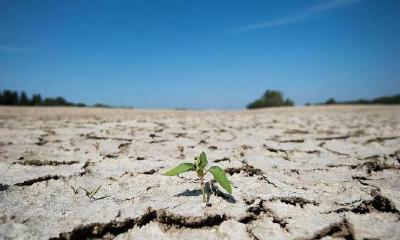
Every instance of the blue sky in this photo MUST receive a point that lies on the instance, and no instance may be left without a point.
(200, 53)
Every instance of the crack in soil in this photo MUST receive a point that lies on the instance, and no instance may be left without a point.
(376, 166)
(255, 212)
(294, 201)
(333, 138)
(280, 150)
(333, 151)
(92, 136)
(149, 172)
(378, 203)
(292, 141)
(380, 139)
(110, 155)
(295, 131)
(370, 166)
(395, 155)
(165, 219)
(124, 147)
(3, 187)
(36, 162)
(340, 229)
(39, 179)
(250, 171)
(275, 150)
(41, 141)
(158, 141)
(222, 160)
(85, 168)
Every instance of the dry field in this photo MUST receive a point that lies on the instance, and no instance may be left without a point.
(297, 173)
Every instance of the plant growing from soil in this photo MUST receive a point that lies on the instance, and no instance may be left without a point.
(199, 167)
(96, 145)
(89, 194)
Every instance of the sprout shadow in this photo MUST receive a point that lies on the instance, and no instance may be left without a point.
(210, 189)
(189, 193)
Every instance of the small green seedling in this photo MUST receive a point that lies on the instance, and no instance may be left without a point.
(89, 194)
(97, 146)
(198, 166)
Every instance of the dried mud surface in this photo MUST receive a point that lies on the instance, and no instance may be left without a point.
(297, 173)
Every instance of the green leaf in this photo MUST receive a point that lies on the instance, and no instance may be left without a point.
(95, 191)
(201, 161)
(181, 168)
(220, 177)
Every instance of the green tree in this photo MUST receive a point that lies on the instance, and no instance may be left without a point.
(36, 100)
(270, 98)
(9, 97)
(289, 102)
(395, 99)
(330, 101)
(23, 99)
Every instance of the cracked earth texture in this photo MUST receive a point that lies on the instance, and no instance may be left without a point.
(297, 173)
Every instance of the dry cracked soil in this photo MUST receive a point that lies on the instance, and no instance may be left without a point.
(297, 173)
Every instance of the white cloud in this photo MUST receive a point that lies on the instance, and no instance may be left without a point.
(300, 16)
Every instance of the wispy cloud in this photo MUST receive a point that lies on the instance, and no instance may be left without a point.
(305, 14)
(12, 49)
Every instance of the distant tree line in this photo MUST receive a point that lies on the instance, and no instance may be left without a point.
(13, 98)
(271, 98)
(394, 99)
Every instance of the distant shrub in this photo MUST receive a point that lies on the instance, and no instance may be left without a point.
(99, 105)
(395, 99)
(80, 105)
(58, 101)
(12, 98)
(271, 98)
(330, 101)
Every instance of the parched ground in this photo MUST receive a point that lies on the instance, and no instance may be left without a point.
(297, 173)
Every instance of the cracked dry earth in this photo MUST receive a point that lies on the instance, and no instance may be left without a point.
(297, 173)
